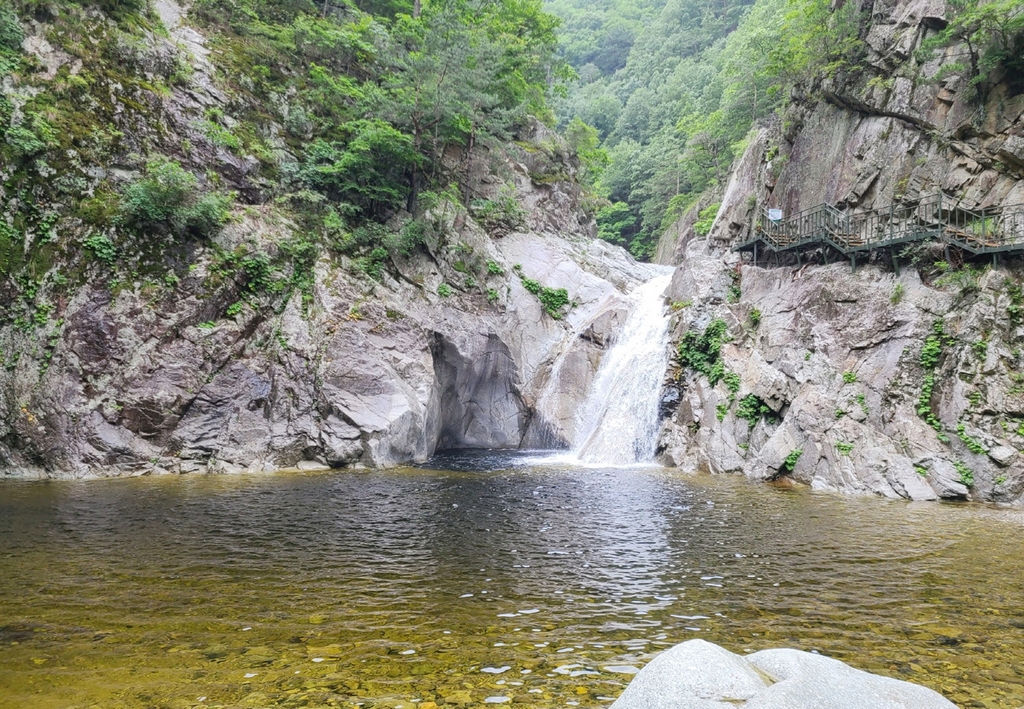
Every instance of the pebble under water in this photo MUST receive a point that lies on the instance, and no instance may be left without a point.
(490, 579)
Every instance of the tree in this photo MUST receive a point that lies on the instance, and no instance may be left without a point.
(583, 140)
(992, 35)
(368, 170)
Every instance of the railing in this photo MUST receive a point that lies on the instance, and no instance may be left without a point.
(936, 217)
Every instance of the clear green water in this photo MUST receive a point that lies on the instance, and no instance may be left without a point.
(353, 587)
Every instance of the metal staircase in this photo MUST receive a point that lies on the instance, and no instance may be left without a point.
(938, 217)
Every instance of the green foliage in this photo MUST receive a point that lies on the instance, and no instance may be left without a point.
(980, 348)
(844, 448)
(966, 474)
(584, 142)
(721, 410)
(755, 317)
(897, 294)
(674, 114)
(553, 299)
(972, 445)
(616, 223)
(494, 269)
(932, 349)
(860, 399)
(492, 295)
(705, 220)
(849, 377)
(817, 38)
(368, 169)
(989, 37)
(701, 352)
(752, 409)
(1016, 294)
(11, 33)
(167, 199)
(500, 215)
(964, 278)
(444, 290)
(102, 248)
(732, 383)
(30, 137)
(735, 291)
(789, 463)
(373, 263)
(923, 472)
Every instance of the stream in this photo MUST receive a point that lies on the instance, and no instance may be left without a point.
(483, 576)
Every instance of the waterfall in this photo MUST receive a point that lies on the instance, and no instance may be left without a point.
(618, 422)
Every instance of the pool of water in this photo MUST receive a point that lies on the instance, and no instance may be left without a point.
(487, 576)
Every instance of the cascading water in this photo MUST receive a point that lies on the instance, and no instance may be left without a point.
(618, 422)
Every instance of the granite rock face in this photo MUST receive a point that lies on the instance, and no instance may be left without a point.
(835, 355)
(191, 371)
(700, 675)
(364, 373)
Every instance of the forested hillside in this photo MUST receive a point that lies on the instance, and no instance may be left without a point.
(121, 151)
(672, 87)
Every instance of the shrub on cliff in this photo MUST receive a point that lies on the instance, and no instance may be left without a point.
(167, 199)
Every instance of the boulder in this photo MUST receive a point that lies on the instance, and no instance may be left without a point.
(697, 674)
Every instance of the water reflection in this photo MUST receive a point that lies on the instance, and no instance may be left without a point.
(385, 587)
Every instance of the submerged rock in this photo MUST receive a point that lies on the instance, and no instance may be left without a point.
(700, 675)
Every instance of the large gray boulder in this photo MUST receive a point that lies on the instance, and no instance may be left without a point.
(700, 675)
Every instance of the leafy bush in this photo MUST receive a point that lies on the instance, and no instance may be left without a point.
(752, 409)
(102, 248)
(11, 33)
(844, 448)
(755, 317)
(700, 352)
(553, 299)
(849, 377)
(732, 382)
(444, 290)
(369, 170)
(972, 445)
(966, 474)
(897, 294)
(790, 462)
(500, 215)
(706, 219)
(168, 199)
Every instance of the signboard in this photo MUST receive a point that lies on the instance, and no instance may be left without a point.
(775, 215)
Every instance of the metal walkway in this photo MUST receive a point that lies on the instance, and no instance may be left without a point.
(998, 230)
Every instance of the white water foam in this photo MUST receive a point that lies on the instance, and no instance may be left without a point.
(618, 423)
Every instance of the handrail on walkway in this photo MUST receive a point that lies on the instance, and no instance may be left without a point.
(937, 217)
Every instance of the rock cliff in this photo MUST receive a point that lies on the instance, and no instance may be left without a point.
(131, 370)
(902, 378)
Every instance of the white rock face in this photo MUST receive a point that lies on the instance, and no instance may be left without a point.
(700, 675)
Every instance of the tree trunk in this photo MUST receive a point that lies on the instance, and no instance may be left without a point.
(417, 7)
